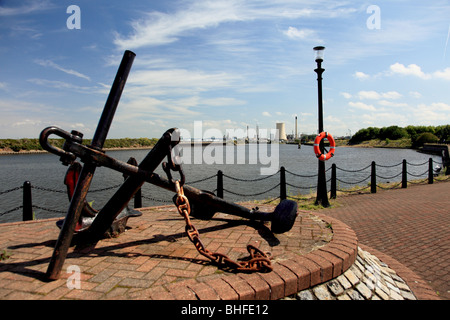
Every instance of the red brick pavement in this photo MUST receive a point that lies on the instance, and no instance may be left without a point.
(411, 225)
(153, 259)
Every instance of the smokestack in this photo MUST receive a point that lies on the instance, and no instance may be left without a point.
(296, 135)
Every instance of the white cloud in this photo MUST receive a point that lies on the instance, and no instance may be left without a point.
(433, 114)
(222, 101)
(63, 85)
(392, 104)
(410, 70)
(346, 95)
(362, 106)
(266, 114)
(78, 125)
(383, 119)
(159, 28)
(222, 125)
(415, 94)
(391, 95)
(439, 106)
(361, 75)
(48, 63)
(443, 74)
(301, 34)
(156, 82)
(29, 7)
(374, 95)
(415, 70)
(27, 122)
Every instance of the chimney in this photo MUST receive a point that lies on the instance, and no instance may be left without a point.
(296, 135)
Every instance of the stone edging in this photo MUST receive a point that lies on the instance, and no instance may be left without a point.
(418, 286)
(367, 279)
(288, 277)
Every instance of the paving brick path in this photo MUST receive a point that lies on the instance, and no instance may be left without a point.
(410, 225)
(155, 260)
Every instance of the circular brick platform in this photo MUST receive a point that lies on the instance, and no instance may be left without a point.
(153, 259)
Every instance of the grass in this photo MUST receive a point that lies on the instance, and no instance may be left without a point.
(17, 145)
(308, 201)
(305, 201)
(4, 255)
(404, 143)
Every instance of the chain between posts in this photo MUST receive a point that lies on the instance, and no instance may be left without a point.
(257, 262)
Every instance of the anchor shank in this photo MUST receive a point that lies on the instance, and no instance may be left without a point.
(210, 200)
(72, 217)
(113, 100)
(127, 190)
(87, 172)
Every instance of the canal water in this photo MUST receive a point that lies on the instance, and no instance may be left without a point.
(250, 172)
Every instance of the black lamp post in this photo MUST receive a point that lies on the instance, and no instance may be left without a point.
(322, 197)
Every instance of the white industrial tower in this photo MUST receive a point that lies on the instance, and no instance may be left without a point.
(281, 132)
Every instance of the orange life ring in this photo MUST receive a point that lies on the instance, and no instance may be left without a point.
(330, 153)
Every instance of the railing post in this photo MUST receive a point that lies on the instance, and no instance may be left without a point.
(404, 175)
(282, 183)
(333, 181)
(27, 202)
(138, 199)
(138, 194)
(430, 171)
(373, 178)
(220, 184)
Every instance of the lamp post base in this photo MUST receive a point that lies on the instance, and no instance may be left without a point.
(322, 196)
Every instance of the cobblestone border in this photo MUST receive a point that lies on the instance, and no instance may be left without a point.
(367, 279)
(419, 287)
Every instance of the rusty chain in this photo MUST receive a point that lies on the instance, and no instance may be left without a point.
(257, 262)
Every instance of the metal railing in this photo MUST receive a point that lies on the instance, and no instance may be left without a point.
(369, 183)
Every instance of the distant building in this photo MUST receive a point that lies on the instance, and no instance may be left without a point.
(281, 131)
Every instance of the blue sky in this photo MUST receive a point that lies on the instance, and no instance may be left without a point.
(229, 64)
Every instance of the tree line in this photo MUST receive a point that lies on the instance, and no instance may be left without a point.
(26, 144)
(418, 134)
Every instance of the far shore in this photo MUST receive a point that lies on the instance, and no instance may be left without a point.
(392, 144)
(11, 152)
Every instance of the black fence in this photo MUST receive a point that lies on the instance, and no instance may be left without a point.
(370, 183)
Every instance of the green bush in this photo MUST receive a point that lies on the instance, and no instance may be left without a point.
(33, 144)
(426, 137)
(441, 133)
(392, 133)
(365, 135)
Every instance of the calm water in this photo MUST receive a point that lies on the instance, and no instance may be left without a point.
(45, 171)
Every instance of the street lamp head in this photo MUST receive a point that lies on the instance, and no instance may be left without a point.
(319, 53)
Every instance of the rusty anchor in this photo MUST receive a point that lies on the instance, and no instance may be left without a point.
(99, 222)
